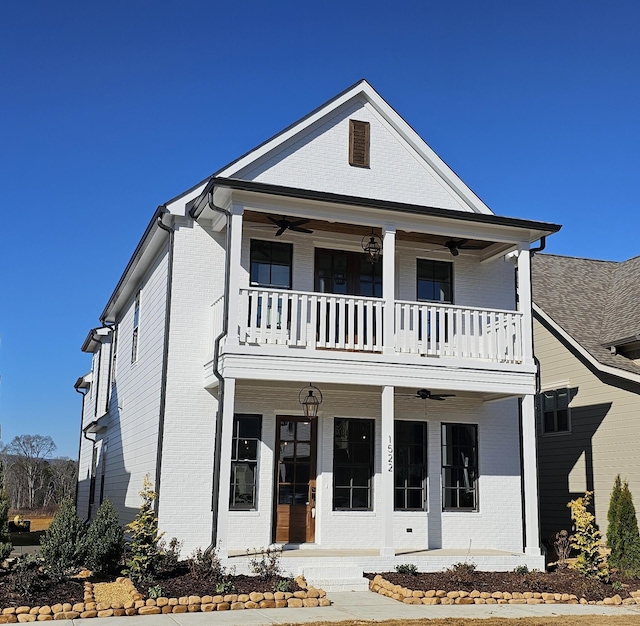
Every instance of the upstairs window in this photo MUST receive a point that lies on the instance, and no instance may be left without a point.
(554, 411)
(271, 264)
(435, 281)
(359, 134)
(136, 324)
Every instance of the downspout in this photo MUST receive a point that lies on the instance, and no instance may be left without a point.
(215, 491)
(165, 359)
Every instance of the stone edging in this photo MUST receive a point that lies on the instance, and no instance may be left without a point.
(308, 597)
(408, 596)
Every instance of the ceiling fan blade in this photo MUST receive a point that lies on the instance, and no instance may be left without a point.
(275, 220)
(299, 229)
(300, 222)
(281, 230)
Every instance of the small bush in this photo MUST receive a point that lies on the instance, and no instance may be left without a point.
(25, 579)
(562, 546)
(282, 584)
(155, 592)
(104, 541)
(408, 569)
(205, 565)
(144, 558)
(62, 545)
(170, 553)
(266, 563)
(521, 570)
(5, 540)
(225, 586)
(586, 540)
(462, 573)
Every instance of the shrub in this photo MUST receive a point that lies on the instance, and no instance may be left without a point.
(155, 592)
(562, 547)
(622, 534)
(25, 580)
(408, 569)
(462, 573)
(170, 553)
(282, 584)
(266, 563)
(521, 570)
(5, 540)
(586, 540)
(62, 545)
(205, 565)
(144, 557)
(104, 541)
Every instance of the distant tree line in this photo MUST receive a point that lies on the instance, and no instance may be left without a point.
(30, 476)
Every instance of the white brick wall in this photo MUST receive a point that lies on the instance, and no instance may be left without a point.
(318, 160)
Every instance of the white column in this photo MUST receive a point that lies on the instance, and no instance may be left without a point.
(387, 471)
(530, 477)
(228, 411)
(524, 301)
(389, 287)
(234, 270)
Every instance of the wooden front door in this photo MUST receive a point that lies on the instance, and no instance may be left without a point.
(295, 480)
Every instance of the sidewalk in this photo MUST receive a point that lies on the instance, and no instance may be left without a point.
(364, 606)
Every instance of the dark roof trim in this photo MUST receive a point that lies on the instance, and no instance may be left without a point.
(334, 198)
(141, 245)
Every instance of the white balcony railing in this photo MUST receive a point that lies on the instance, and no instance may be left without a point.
(353, 323)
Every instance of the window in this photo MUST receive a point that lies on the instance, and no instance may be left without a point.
(435, 281)
(244, 461)
(271, 264)
(410, 466)
(352, 464)
(359, 133)
(338, 271)
(554, 410)
(136, 322)
(459, 467)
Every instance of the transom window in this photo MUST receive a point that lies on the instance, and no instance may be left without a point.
(244, 461)
(271, 263)
(435, 281)
(554, 410)
(352, 464)
(459, 467)
(410, 466)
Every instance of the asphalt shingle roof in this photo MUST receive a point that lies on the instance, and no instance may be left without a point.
(595, 302)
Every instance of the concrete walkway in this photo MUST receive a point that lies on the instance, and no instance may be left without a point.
(361, 606)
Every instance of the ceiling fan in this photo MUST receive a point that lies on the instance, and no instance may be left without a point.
(455, 245)
(425, 394)
(284, 224)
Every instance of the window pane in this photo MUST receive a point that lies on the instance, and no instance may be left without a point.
(563, 419)
(414, 499)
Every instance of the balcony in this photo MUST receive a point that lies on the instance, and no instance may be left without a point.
(318, 321)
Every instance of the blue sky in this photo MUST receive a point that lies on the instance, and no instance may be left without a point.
(109, 109)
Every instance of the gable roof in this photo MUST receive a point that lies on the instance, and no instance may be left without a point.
(594, 304)
(261, 163)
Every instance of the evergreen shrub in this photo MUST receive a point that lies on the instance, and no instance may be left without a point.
(5, 540)
(104, 541)
(623, 537)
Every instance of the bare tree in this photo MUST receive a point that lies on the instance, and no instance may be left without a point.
(63, 475)
(29, 454)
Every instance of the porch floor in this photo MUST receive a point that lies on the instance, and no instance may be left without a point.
(313, 551)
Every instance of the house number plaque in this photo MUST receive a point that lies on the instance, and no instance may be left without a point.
(390, 454)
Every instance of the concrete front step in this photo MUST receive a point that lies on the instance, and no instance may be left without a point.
(341, 578)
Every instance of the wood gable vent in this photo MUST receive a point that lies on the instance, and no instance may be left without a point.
(359, 143)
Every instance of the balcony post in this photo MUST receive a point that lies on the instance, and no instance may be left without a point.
(222, 506)
(524, 301)
(388, 447)
(234, 270)
(389, 287)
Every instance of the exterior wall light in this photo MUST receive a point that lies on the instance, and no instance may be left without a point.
(309, 401)
(372, 246)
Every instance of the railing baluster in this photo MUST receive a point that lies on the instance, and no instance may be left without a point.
(378, 340)
(292, 333)
(360, 325)
(313, 335)
(340, 315)
(322, 322)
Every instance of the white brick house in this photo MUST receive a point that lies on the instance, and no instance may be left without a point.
(253, 284)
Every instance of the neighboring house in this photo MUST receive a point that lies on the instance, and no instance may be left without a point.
(587, 339)
(255, 283)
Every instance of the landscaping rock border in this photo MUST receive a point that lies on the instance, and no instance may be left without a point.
(308, 597)
(381, 585)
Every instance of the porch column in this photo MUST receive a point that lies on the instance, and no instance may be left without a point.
(524, 301)
(234, 270)
(222, 505)
(389, 287)
(387, 500)
(530, 477)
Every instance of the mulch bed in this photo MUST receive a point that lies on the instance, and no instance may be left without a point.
(559, 581)
(45, 592)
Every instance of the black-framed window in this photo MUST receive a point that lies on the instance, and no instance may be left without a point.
(410, 473)
(245, 446)
(353, 464)
(434, 281)
(554, 411)
(459, 467)
(136, 329)
(271, 264)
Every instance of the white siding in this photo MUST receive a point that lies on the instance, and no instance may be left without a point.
(318, 160)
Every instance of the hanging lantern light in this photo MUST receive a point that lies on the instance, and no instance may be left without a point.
(309, 400)
(372, 246)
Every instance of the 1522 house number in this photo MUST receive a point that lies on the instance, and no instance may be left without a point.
(390, 454)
